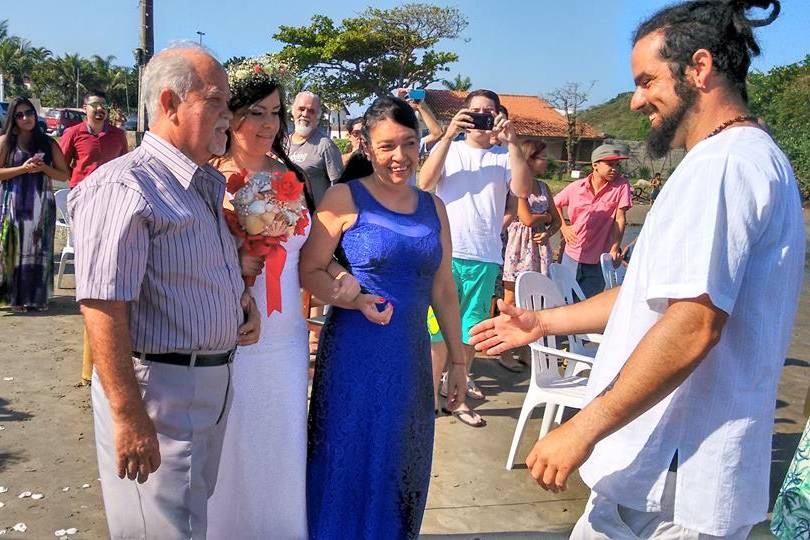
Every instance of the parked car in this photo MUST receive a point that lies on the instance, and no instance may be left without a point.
(131, 123)
(60, 119)
(3, 112)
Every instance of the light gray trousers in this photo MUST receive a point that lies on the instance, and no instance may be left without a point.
(189, 407)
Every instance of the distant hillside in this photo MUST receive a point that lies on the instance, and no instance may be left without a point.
(616, 119)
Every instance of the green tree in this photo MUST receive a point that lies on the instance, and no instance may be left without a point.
(781, 97)
(459, 84)
(374, 53)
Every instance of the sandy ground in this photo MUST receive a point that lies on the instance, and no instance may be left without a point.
(46, 444)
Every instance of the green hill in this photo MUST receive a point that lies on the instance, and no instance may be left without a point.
(616, 120)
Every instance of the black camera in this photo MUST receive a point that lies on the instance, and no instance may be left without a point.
(483, 121)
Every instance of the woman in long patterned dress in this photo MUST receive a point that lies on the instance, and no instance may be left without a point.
(260, 490)
(371, 413)
(528, 244)
(29, 159)
(791, 511)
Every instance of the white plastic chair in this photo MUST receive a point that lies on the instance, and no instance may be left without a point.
(613, 276)
(63, 221)
(571, 292)
(546, 386)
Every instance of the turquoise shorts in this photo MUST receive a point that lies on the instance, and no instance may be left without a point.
(475, 283)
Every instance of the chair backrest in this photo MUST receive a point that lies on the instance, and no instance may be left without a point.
(535, 291)
(566, 283)
(61, 197)
(62, 217)
(613, 276)
(571, 291)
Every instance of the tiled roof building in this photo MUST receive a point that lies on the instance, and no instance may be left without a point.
(532, 116)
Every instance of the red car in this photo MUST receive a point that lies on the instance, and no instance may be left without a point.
(60, 119)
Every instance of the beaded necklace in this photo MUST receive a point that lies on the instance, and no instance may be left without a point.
(727, 123)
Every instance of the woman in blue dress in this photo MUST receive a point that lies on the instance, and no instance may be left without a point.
(371, 413)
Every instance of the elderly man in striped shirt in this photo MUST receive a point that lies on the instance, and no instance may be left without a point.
(160, 286)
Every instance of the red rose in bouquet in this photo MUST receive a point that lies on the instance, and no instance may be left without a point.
(267, 210)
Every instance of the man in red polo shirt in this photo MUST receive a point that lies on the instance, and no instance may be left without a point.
(90, 144)
(596, 207)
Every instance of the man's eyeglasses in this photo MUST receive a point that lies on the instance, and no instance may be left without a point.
(355, 133)
(97, 105)
(30, 113)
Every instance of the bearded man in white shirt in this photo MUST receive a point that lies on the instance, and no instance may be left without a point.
(675, 439)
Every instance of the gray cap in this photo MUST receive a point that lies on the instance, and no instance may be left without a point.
(610, 152)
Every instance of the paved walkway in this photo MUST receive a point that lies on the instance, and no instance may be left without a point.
(47, 443)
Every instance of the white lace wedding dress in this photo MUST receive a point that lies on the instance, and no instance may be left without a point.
(260, 491)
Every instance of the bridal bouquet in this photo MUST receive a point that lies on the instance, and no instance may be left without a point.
(267, 209)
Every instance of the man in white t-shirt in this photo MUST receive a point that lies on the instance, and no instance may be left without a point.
(473, 179)
(675, 439)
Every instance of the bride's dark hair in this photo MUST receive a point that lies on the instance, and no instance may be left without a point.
(254, 89)
(719, 26)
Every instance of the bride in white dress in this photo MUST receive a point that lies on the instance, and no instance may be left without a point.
(260, 490)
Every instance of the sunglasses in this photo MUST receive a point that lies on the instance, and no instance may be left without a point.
(355, 133)
(30, 113)
(97, 105)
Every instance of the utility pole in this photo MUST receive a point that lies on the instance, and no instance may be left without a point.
(142, 56)
(77, 86)
(201, 34)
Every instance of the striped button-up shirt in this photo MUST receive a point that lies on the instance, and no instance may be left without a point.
(149, 230)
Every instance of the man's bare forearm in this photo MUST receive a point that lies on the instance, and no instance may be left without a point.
(588, 316)
(107, 325)
(663, 359)
(432, 168)
(522, 177)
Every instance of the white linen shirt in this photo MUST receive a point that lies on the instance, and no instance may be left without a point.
(728, 224)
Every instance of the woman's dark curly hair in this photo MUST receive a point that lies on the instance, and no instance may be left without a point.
(719, 26)
(253, 90)
(389, 108)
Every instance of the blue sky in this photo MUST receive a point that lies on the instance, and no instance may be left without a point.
(511, 46)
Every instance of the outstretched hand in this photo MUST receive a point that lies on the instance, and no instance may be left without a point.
(514, 327)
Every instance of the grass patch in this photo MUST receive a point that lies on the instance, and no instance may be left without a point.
(555, 185)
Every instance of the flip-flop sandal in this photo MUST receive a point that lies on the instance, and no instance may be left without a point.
(517, 367)
(443, 387)
(473, 392)
(467, 417)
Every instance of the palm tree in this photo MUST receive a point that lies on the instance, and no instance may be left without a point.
(460, 84)
(64, 77)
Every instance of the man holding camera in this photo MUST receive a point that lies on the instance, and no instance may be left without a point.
(473, 178)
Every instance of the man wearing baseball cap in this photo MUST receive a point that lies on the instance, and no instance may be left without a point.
(596, 212)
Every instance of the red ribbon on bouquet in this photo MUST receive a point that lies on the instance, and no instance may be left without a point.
(285, 188)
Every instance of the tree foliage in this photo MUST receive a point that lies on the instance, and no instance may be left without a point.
(373, 53)
(615, 119)
(782, 98)
(34, 72)
(459, 84)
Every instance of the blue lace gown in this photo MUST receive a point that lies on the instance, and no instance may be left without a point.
(371, 414)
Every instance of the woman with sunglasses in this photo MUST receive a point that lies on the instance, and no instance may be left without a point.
(29, 159)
